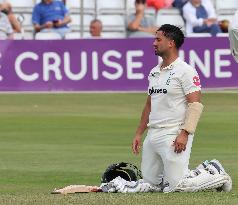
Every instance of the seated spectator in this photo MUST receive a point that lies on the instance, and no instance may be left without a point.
(51, 16)
(159, 4)
(6, 31)
(200, 17)
(139, 25)
(6, 8)
(95, 28)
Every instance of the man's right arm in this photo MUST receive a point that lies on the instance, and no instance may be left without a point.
(36, 16)
(134, 25)
(39, 27)
(151, 30)
(142, 126)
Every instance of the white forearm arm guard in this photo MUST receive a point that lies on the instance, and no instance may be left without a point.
(192, 116)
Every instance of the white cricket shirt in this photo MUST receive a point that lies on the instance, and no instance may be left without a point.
(167, 89)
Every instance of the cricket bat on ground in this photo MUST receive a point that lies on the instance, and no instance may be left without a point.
(71, 189)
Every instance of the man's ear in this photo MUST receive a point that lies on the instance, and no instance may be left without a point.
(171, 43)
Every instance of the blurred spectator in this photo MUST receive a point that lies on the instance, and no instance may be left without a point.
(6, 31)
(179, 3)
(6, 8)
(95, 28)
(200, 17)
(159, 4)
(224, 24)
(139, 25)
(51, 16)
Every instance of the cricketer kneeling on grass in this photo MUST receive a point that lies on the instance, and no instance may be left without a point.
(171, 113)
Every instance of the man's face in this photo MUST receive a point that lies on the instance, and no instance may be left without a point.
(161, 44)
(47, 1)
(95, 29)
(139, 7)
(5, 6)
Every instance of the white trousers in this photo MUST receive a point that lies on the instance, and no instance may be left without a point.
(159, 159)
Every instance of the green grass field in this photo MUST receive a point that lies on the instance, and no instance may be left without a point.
(54, 140)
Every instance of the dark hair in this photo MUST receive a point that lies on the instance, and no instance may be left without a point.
(140, 1)
(173, 33)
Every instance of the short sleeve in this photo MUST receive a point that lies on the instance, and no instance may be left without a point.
(210, 9)
(151, 21)
(64, 9)
(8, 26)
(36, 15)
(190, 81)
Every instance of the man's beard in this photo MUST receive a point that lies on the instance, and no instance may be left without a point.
(157, 53)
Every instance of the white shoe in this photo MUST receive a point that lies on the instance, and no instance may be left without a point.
(227, 186)
(218, 166)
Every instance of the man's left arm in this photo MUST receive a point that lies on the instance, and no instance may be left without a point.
(65, 13)
(193, 114)
(65, 21)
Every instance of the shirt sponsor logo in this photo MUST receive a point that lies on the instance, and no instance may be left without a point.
(155, 74)
(57, 8)
(196, 81)
(157, 90)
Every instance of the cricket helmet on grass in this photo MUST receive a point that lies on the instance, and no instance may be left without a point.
(125, 170)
